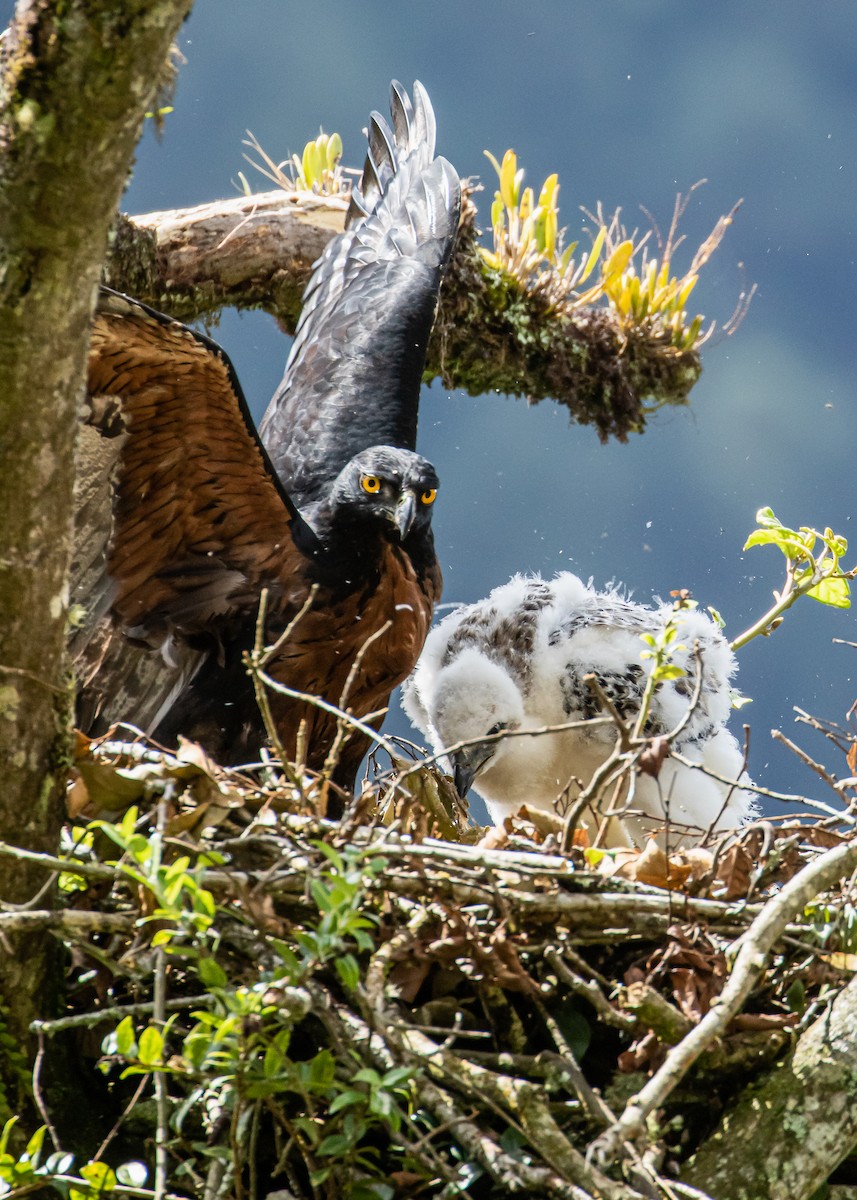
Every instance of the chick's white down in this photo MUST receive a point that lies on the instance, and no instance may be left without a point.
(517, 661)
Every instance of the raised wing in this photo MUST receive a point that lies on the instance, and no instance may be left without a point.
(200, 521)
(354, 374)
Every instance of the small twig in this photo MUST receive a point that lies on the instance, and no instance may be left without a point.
(256, 661)
(713, 826)
(39, 1098)
(33, 678)
(269, 652)
(117, 1013)
(70, 866)
(791, 592)
(317, 702)
(70, 922)
(590, 990)
(122, 1118)
(805, 758)
(339, 738)
(598, 1111)
(758, 790)
(488, 739)
(750, 952)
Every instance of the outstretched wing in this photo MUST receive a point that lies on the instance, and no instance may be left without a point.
(200, 521)
(354, 374)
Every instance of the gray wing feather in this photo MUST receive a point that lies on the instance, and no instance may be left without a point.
(354, 374)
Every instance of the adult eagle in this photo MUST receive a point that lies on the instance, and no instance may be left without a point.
(329, 509)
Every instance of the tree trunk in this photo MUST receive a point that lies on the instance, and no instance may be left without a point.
(77, 79)
(784, 1137)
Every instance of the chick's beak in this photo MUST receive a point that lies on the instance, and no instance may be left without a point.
(406, 510)
(466, 765)
(462, 777)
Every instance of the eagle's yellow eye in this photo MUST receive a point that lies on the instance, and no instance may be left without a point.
(371, 484)
(428, 496)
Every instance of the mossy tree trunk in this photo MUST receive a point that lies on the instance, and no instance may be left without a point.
(788, 1131)
(76, 79)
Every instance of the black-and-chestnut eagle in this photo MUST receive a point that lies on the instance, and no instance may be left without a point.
(329, 508)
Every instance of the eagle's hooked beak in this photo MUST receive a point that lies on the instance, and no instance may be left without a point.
(406, 510)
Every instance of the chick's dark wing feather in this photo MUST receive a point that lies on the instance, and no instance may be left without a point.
(353, 377)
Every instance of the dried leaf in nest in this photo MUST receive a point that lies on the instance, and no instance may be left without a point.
(695, 967)
(840, 960)
(652, 866)
(654, 756)
(111, 776)
(782, 857)
(426, 803)
(732, 878)
(494, 958)
(495, 838)
(532, 824)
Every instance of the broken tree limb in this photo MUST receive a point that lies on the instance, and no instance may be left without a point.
(492, 333)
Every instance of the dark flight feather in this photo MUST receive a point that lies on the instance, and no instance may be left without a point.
(354, 374)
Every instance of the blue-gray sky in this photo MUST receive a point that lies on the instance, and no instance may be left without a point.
(630, 101)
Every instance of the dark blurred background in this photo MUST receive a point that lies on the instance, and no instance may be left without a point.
(631, 103)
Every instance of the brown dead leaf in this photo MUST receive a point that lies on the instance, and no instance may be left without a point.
(651, 866)
(654, 756)
(841, 960)
(851, 758)
(732, 878)
(813, 835)
(495, 838)
(544, 823)
(408, 975)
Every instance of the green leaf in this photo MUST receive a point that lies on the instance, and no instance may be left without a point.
(791, 544)
(834, 591)
(346, 1099)
(334, 1143)
(124, 1035)
(322, 1070)
(6, 1134)
(668, 671)
(100, 1176)
(368, 1075)
(132, 1174)
(765, 516)
(34, 1145)
(151, 1046)
(211, 973)
(348, 970)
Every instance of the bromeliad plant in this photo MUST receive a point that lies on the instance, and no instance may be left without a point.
(639, 288)
(317, 170)
(528, 243)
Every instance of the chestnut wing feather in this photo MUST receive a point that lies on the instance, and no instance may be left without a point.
(200, 520)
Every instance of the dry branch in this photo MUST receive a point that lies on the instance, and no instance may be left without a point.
(491, 335)
(750, 954)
